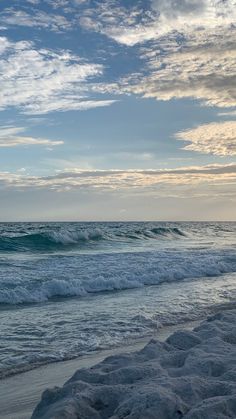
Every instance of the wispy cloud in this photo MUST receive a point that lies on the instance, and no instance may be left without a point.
(215, 138)
(11, 137)
(131, 180)
(42, 81)
(33, 1)
(37, 19)
(227, 113)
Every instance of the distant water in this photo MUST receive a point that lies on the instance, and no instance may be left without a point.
(71, 288)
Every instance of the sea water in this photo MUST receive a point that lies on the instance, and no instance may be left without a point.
(67, 289)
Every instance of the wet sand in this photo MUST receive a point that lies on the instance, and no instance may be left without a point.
(20, 394)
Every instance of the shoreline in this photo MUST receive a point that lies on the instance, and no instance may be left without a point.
(191, 374)
(20, 393)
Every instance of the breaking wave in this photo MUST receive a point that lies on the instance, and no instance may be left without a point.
(108, 273)
(59, 239)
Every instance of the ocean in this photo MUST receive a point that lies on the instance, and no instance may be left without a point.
(68, 289)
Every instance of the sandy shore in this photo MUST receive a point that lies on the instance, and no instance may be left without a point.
(191, 375)
(20, 394)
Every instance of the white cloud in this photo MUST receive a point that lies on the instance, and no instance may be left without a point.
(39, 19)
(33, 1)
(42, 81)
(134, 25)
(217, 138)
(126, 25)
(4, 44)
(66, 4)
(173, 8)
(11, 137)
(229, 113)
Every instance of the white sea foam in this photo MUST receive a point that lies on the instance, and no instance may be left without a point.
(65, 236)
(107, 273)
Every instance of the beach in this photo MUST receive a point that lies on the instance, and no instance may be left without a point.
(20, 393)
(192, 375)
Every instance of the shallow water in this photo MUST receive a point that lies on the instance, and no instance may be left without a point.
(71, 288)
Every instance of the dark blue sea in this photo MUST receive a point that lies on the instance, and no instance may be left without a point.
(71, 288)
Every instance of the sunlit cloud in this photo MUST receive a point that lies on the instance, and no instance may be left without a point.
(143, 181)
(202, 68)
(188, 48)
(215, 138)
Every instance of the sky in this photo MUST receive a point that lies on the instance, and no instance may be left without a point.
(117, 110)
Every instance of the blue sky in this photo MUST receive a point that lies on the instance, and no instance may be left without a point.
(114, 110)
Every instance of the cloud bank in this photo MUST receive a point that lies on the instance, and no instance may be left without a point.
(140, 181)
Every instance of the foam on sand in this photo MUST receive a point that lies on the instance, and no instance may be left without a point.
(191, 375)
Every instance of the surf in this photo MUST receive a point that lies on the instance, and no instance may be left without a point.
(63, 238)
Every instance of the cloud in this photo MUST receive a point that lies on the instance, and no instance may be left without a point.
(42, 81)
(66, 5)
(136, 24)
(218, 138)
(39, 19)
(173, 8)
(33, 1)
(4, 44)
(188, 48)
(9, 137)
(140, 181)
(201, 67)
(128, 25)
(227, 113)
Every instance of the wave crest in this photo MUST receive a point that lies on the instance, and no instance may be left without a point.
(108, 273)
(64, 238)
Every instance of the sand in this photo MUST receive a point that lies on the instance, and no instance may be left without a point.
(20, 394)
(191, 375)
